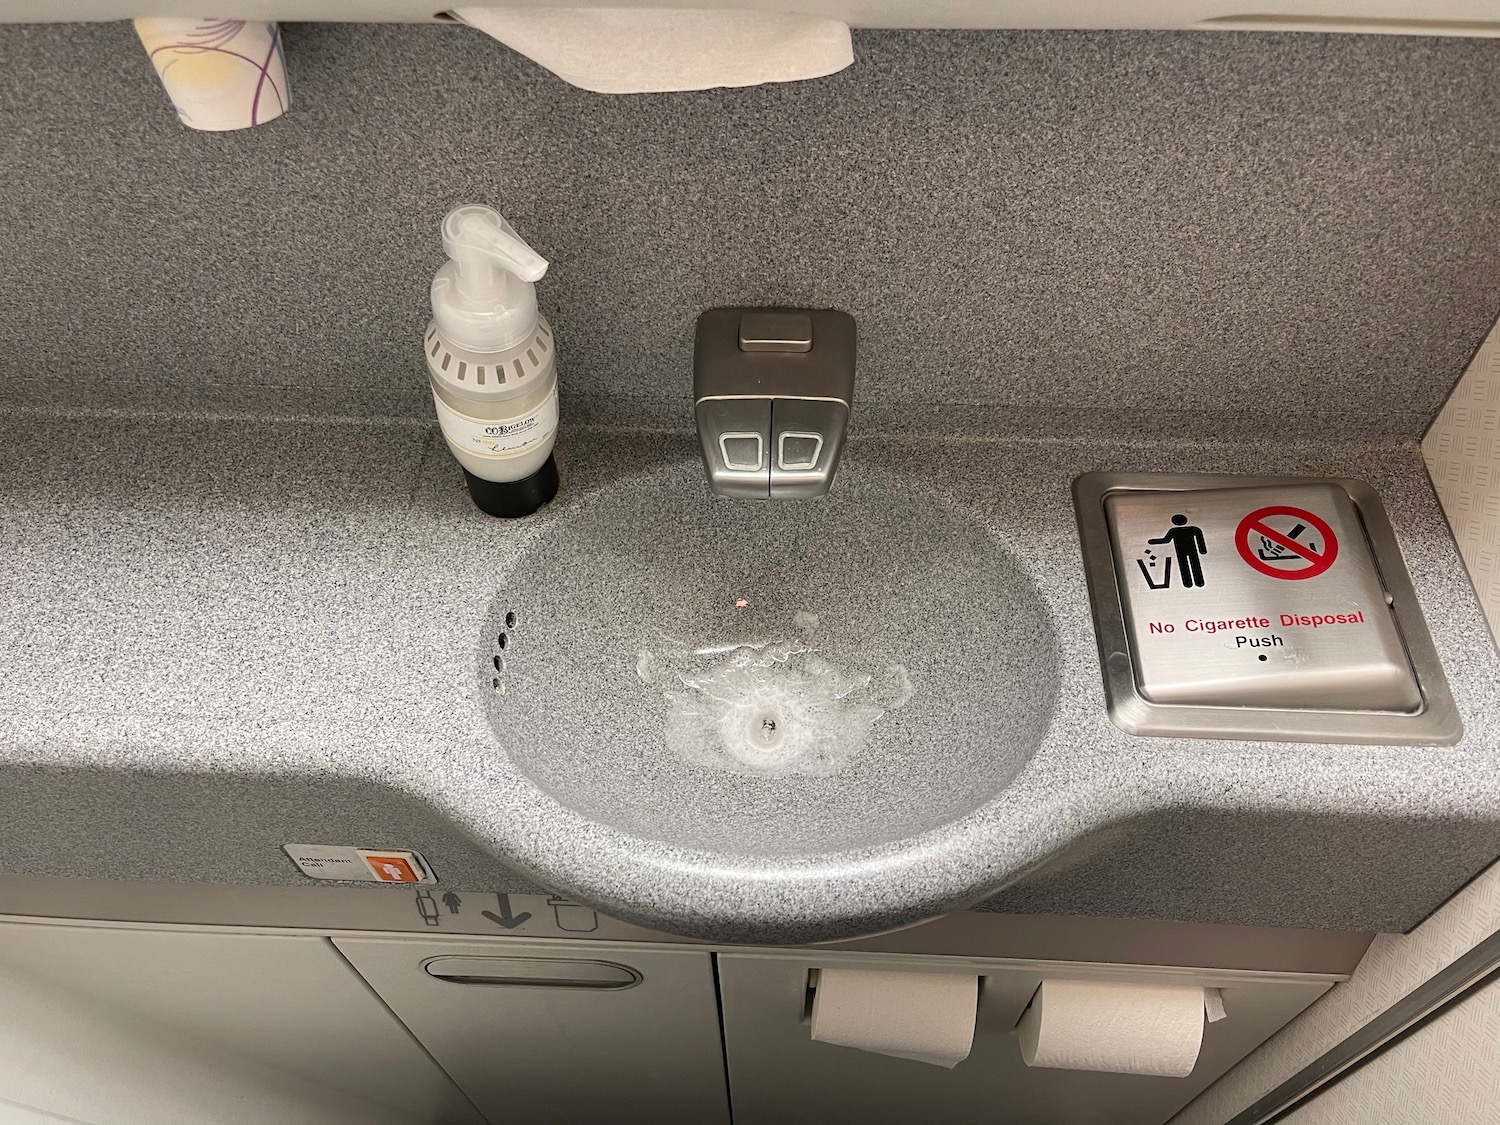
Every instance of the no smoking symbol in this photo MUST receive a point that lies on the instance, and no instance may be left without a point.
(1286, 542)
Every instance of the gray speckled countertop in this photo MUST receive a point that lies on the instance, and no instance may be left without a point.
(223, 635)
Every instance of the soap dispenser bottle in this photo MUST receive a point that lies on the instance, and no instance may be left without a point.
(491, 363)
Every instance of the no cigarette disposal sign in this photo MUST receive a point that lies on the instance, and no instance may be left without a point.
(1285, 542)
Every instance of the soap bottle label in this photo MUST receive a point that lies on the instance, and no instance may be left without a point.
(498, 437)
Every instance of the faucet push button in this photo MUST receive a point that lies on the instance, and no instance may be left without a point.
(797, 450)
(772, 389)
(742, 452)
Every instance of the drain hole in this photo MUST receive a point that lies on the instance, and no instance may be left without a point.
(766, 730)
(499, 664)
(510, 619)
(503, 641)
(499, 685)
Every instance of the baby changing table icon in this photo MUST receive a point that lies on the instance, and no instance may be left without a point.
(573, 916)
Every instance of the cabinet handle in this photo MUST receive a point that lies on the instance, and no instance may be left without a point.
(533, 972)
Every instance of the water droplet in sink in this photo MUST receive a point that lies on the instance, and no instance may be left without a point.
(771, 707)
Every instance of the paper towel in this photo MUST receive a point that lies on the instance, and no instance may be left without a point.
(1213, 1004)
(636, 51)
(1114, 1026)
(220, 74)
(928, 1017)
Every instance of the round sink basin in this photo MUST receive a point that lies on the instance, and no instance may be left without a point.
(759, 694)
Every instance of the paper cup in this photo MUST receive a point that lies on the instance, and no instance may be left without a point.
(220, 74)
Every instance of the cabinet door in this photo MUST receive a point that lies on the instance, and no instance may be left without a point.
(134, 1026)
(779, 1076)
(561, 1035)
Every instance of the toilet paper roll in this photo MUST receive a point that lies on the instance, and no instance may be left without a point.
(220, 74)
(644, 50)
(927, 1017)
(1114, 1026)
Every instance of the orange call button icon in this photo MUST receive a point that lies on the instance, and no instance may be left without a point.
(392, 869)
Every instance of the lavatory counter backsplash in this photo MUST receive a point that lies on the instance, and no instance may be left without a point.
(1214, 234)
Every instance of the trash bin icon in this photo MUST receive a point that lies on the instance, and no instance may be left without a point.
(573, 916)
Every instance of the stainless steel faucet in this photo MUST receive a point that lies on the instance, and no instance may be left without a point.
(772, 390)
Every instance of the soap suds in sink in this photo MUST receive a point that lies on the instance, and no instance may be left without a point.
(773, 708)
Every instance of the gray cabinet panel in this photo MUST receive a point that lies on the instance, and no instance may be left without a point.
(780, 1077)
(569, 1048)
(132, 1026)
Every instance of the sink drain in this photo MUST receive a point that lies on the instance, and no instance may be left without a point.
(766, 730)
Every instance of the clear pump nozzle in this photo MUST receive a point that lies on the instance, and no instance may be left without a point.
(484, 299)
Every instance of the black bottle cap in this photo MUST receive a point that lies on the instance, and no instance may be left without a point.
(511, 499)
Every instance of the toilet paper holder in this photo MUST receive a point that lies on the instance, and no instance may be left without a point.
(810, 993)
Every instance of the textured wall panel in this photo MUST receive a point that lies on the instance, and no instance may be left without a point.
(1212, 233)
(1394, 965)
(1463, 456)
(1448, 1073)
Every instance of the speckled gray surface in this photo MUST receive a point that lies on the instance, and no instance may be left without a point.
(228, 632)
(1300, 232)
(669, 625)
(222, 635)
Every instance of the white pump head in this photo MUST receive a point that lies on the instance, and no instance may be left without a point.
(484, 300)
